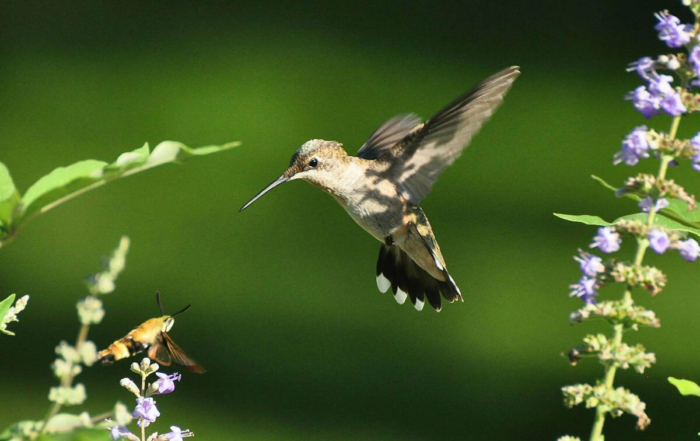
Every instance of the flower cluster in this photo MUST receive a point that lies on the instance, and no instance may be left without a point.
(90, 312)
(616, 401)
(146, 411)
(664, 224)
(11, 315)
(596, 273)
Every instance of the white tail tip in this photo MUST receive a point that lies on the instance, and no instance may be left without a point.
(383, 283)
(400, 296)
(419, 304)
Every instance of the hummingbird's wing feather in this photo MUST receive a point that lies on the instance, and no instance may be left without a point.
(388, 135)
(419, 159)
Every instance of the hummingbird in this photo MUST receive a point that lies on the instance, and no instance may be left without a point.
(381, 188)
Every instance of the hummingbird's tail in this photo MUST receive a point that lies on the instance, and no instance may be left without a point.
(397, 270)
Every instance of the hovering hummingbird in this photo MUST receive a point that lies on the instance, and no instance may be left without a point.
(393, 171)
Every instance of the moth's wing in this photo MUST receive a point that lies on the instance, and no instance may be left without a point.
(388, 135)
(159, 351)
(179, 356)
(419, 159)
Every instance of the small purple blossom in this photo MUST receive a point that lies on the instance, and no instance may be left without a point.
(118, 432)
(671, 31)
(166, 383)
(644, 102)
(695, 143)
(658, 241)
(590, 264)
(644, 66)
(177, 434)
(689, 249)
(660, 85)
(635, 146)
(585, 289)
(607, 240)
(146, 411)
(694, 58)
(673, 105)
(646, 203)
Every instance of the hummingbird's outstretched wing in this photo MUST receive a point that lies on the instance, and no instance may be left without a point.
(422, 155)
(388, 135)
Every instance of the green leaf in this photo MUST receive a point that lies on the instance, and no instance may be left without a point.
(59, 183)
(685, 387)
(584, 219)
(659, 220)
(677, 208)
(680, 209)
(65, 183)
(78, 435)
(9, 196)
(602, 182)
(662, 221)
(5, 306)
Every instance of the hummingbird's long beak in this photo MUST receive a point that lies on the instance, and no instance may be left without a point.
(281, 180)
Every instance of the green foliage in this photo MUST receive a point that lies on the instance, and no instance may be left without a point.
(5, 306)
(9, 196)
(65, 183)
(685, 387)
(677, 209)
(78, 435)
(659, 220)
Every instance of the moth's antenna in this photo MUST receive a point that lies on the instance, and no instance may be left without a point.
(159, 304)
(181, 311)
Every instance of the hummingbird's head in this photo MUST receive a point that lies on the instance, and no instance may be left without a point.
(316, 162)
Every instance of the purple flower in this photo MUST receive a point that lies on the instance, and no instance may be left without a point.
(146, 411)
(607, 240)
(177, 434)
(694, 58)
(671, 31)
(117, 432)
(644, 102)
(658, 241)
(646, 203)
(634, 147)
(695, 143)
(673, 105)
(689, 249)
(644, 66)
(166, 383)
(585, 289)
(590, 264)
(661, 85)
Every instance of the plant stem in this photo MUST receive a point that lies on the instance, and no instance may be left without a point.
(618, 330)
(68, 379)
(143, 394)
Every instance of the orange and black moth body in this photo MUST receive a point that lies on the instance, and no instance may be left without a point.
(135, 341)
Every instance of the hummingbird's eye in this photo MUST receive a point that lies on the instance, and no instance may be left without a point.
(313, 163)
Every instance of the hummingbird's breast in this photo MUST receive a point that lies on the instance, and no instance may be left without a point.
(371, 200)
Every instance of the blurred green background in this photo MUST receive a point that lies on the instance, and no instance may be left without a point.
(286, 315)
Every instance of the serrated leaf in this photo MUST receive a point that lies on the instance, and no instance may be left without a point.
(685, 387)
(9, 196)
(584, 219)
(65, 183)
(5, 306)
